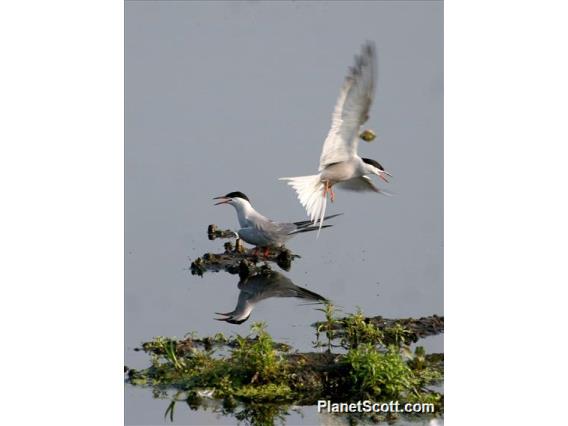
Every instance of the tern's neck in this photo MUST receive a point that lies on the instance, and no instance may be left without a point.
(246, 213)
(363, 167)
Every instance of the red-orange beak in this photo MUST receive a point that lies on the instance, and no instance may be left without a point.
(224, 200)
(383, 175)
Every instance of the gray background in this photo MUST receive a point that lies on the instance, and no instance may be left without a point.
(230, 96)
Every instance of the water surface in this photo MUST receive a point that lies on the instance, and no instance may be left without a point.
(225, 97)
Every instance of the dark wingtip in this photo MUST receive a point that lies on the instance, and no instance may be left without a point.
(305, 223)
(332, 216)
(309, 229)
(304, 293)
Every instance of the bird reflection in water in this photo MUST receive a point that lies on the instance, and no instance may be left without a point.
(259, 287)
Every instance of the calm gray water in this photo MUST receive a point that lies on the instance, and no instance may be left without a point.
(224, 97)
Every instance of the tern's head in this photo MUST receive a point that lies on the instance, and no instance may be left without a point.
(233, 319)
(235, 199)
(375, 167)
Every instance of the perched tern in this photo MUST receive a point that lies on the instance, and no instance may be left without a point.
(261, 231)
(340, 165)
(264, 286)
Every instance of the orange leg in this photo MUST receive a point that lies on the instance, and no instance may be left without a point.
(266, 251)
(328, 187)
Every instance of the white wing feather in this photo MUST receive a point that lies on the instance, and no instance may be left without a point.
(310, 190)
(351, 109)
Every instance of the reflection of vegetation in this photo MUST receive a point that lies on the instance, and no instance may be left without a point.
(257, 378)
(262, 414)
(251, 413)
(254, 413)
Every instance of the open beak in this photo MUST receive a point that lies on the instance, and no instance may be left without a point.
(224, 200)
(383, 175)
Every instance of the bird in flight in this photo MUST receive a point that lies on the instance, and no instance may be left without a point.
(340, 165)
(260, 231)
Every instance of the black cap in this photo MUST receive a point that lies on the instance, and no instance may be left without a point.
(373, 163)
(237, 194)
(234, 321)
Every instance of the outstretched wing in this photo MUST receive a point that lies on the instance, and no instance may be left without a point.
(351, 110)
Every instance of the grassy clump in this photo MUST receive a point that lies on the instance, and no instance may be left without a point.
(254, 368)
(379, 374)
(398, 332)
(328, 326)
(373, 363)
(258, 361)
(359, 332)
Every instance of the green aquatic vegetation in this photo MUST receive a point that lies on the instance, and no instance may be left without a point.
(428, 367)
(254, 359)
(380, 374)
(398, 335)
(258, 361)
(262, 376)
(358, 331)
(356, 328)
(328, 326)
(170, 350)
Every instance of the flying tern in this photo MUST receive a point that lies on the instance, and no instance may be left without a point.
(263, 286)
(260, 231)
(340, 165)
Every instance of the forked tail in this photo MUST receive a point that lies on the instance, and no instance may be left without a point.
(310, 190)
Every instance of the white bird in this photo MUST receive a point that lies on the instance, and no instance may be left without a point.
(340, 165)
(264, 286)
(259, 230)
